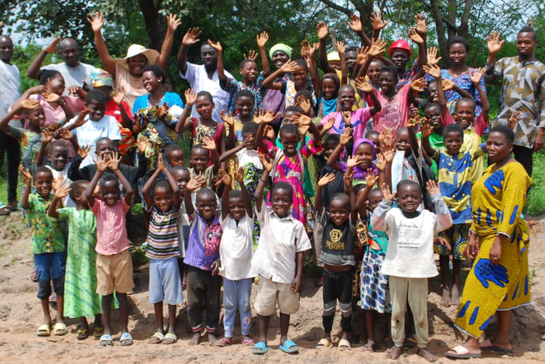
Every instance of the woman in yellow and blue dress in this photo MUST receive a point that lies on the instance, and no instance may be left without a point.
(498, 281)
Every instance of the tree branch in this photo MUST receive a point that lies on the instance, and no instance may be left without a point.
(342, 9)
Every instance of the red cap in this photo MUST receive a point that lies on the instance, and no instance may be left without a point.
(400, 44)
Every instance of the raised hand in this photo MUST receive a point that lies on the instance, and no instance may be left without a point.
(412, 122)
(388, 152)
(514, 119)
(377, 22)
(25, 174)
(353, 161)
(62, 192)
(52, 48)
(51, 97)
(225, 177)
(386, 138)
(194, 183)
(363, 85)
(113, 163)
(173, 22)
(326, 179)
(262, 39)
(432, 56)
(341, 47)
(419, 85)
(81, 119)
(190, 97)
(329, 124)
(96, 21)
(493, 42)
(421, 26)
(269, 117)
(161, 162)
(381, 162)
(370, 178)
(345, 137)
(228, 119)
(313, 49)
(191, 36)
(347, 118)
(288, 67)
(447, 84)
(65, 134)
(378, 46)
(252, 55)
(304, 103)
(239, 176)
(347, 178)
(322, 30)
(83, 151)
(415, 36)
(426, 129)
(249, 142)
(216, 46)
(119, 95)
(355, 23)
(267, 164)
(362, 55)
(208, 144)
(476, 75)
(162, 110)
(57, 183)
(101, 164)
(73, 90)
(141, 145)
(432, 187)
(47, 136)
(386, 193)
(301, 119)
(433, 70)
(305, 48)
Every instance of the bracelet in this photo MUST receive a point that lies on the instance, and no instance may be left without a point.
(262, 180)
(189, 107)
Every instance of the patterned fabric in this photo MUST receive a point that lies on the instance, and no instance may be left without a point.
(456, 235)
(498, 201)
(472, 143)
(523, 89)
(362, 240)
(436, 142)
(30, 142)
(326, 107)
(252, 174)
(201, 131)
(374, 285)
(407, 76)
(162, 241)
(80, 281)
(47, 236)
(203, 247)
(233, 86)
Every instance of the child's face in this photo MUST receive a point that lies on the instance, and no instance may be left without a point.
(110, 193)
(237, 209)
(289, 141)
(374, 71)
(206, 205)
(288, 117)
(176, 158)
(281, 201)
(374, 137)
(204, 106)
(181, 177)
(347, 98)
(79, 198)
(245, 106)
(105, 149)
(409, 197)
(453, 142)
(58, 155)
(36, 117)
(199, 159)
(339, 211)
(245, 136)
(387, 82)
(365, 150)
(402, 140)
(464, 113)
(373, 199)
(432, 91)
(97, 110)
(43, 181)
(433, 114)
(329, 88)
(162, 198)
(350, 59)
(329, 147)
(299, 76)
(249, 72)
(56, 85)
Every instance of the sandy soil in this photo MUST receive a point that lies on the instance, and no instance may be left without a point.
(20, 315)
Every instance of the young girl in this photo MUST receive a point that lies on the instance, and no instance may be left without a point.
(80, 284)
(162, 250)
(236, 252)
(298, 70)
(409, 260)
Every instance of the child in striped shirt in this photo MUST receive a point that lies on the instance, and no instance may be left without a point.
(163, 199)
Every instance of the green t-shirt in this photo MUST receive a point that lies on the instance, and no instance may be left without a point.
(436, 142)
(47, 236)
(30, 145)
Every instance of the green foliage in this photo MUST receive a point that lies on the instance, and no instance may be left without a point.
(536, 197)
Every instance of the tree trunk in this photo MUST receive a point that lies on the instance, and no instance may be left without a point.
(365, 8)
(440, 26)
(156, 24)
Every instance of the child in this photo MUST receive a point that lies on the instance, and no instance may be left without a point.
(80, 285)
(278, 260)
(89, 127)
(244, 102)
(114, 264)
(162, 250)
(236, 252)
(181, 176)
(432, 112)
(203, 283)
(48, 246)
(409, 258)
(337, 255)
(200, 156)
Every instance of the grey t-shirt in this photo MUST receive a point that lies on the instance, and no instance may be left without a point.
(73, 76)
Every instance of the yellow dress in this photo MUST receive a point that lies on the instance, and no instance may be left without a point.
(498, 199)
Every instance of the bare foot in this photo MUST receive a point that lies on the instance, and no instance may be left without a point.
(195, 339)
(369, 346)
(426, 354)
(455, 295)
(395, 353)
(212, 339)
(445, 298)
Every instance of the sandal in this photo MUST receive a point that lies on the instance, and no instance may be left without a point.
(461, 352)
(344, 345)
(225, 341)
(83, 334)
(98, 331)
(289, 347)
(34, 277)
(248, 342)
(106, 340)
(44, 330)
(324, 343)
(260, 348)
(157, 338)
(170, 338)
(60, 329)
(4, 210)
(126, 339)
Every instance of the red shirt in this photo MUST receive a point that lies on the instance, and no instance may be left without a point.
(113, 110)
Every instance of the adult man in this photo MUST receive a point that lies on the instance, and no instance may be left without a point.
(523, 89)
(203, 77)
(10, 91)
(75, 73)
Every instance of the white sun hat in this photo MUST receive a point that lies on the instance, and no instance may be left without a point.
(136, 49)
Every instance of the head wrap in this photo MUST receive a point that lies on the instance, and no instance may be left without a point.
(333, 57)
(360, 173)
(101, 78)
(281, 47)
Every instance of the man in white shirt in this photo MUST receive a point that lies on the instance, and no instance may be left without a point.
(10, 91)
(203, 77)
(75, 73)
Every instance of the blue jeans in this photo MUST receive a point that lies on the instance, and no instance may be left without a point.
(236, 294)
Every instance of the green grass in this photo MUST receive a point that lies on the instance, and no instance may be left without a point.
(536, 198)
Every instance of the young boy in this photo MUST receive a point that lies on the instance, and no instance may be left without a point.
(409, 258)
(278, 260)
(114, 264)
(48, 246)
(200, 155)
(181, 176)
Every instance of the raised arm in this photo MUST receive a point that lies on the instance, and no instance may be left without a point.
(27, 180)
(287, 67)
(378, 46)
(102, 165)
(184, 123)
(210, 145)
(421, 28)
(324, 181)
(226, 179)
(333, 159)
(341, 49)
(146, 190)
(261, 44)
(426, 131)
(190, 38)
(239, 176)
(173, 22)
(47, 137)
(60, 194)
(412, 137)
(349, 191)
(370, 180)
(494, 46)
(37, 63)
(97, 22)
(221, 72)
(113, 164)
(476, 77)
(314, 76)
(435, 72)
(363, 85)
(323, 31)
(267, 168)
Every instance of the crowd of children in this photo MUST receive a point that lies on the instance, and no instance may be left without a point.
(364, 169)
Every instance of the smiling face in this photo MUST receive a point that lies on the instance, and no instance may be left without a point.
(279, 58)
(433, 114)
(209, 57)
(329, 146)
(182, 177)
(347, 97)
(299, 76)
(43, 182)
(199, 159)
(457, 53)
(69, 52)
(35, 117)
(373, 199)
(245, 106)
(58, 156)
(204, 106)
(453, 142)
(162, 197)
(281, 201)
(498, 147)
(375, 67)
(526, 43)
(98, 109)
(237, 210)
(151, 82)
(365, 151)
(6, 48)
(387, 81)
(400, 58)
(136, 65)
(105, 148)
(403, 142)
(175, 157)
(464, 113)
(409, 197)
(55, 85)
(249, 71)
(432, 91)
(206, 204)
(289, 141)
(339, 210)
(109, 190)
(329, 88)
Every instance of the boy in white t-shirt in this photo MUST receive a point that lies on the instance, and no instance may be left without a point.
(409, 260)
(91, 125)
(236, 252)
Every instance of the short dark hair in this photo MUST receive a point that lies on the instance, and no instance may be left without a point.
(306, 94)
(430, 105)
(108, 178)
(42, 169)
(407, 182)
(243, 63)
(391, 70)
(199, 147)
(104, 139)
(205, 192)
(465, 99)
(506, 131)
(294, 108)
(351, 49)
(244, 93)
(207, 94)
(157, 71)
(76, 187)
(528, 29)
(335, 138)
(453, 128)
(235, 194)
(58, 144)
(97, 96)
(282, 186)
(180, 167)
(340, 196)
(288, 129)
(302, 63)
(250, 127)
(172, 148)
(458, 40)
(45, 75)
(161, 183)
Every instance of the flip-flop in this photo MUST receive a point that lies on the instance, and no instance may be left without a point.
(488, 345)
(247, 342)
(4, 210)
(324, 343)
(60, 329)
(126, 339)
(170, 339)
(106, 340)
(260, 348)
(98, 331)
(83, 334)
(344, 345)
(461, 352)
(156, 338)
(289, 347)
(224, 341)
(44, 330)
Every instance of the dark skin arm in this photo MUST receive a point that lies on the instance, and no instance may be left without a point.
(190, 38)
(92, 185)
(37, 63)
(147, 187)
(296, 285)
(349, 190)
(260, 187)
(57, 201)
(28, 187)
(47, 137)
(226, 179)
(323, 32)
(97, 22)
(362, 198)
(333, 159)
(231, 152)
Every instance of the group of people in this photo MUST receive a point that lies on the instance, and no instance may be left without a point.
(370, 168)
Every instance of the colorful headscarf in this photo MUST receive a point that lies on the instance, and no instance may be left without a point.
(101, 78)
(281, 47)
(360, 173)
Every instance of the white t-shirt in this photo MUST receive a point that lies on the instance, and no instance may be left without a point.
(246, 156)
(73, 76)
(198, 79)
(10, 87)
(91, 131)
(67, 201)
(237, 248)
(279, 242)
(410, 245)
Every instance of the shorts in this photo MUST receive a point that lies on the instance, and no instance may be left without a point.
(164, 281)
(50, 266)
(114, 272)
(457, 236)
(269, 293)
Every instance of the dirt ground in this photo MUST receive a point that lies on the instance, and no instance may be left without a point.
(20, 315)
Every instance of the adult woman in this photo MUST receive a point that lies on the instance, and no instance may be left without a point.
(156, 113)
(499, 240)
(128, 71)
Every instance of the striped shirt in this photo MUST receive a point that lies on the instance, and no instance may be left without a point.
(162, 241)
